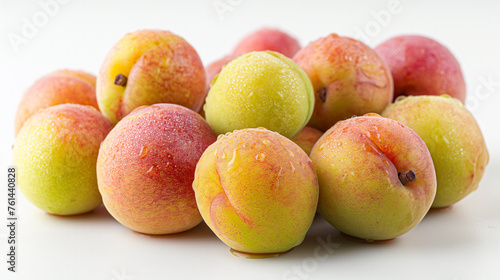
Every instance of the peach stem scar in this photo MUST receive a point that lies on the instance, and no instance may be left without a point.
(407, 176)
(322, 94)
(120, 80)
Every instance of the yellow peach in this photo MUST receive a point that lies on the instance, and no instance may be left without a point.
(148, 67)
(257, 191)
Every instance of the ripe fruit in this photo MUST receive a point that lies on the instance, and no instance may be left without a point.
(146, 168)
(422, 66)
(56, 153)
(306, 138)
(148, 67)
(376, 177)
(260, 89)
(348, 78)
(59, 87)
(212, 70)
(268, 39)
(454, 140)
(257, 191)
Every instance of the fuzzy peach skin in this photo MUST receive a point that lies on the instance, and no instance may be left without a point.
(306, 138)
(268, 39)
(348, 78)
(59, 87)
(422, 66)
(56, 153)
(257, 191)
(357, 162)
(157, 67)
(454, 139)
(145, 168)
(90, 78)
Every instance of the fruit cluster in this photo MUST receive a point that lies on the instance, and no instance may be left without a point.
(257, 142)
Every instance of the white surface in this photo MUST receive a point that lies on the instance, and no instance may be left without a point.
(463, 243)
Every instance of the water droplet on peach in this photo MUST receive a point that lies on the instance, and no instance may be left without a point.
(260, 157)
(235, 161)
(289, 152)
(321, 147)
(143, 152)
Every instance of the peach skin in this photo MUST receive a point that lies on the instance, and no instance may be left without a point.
(268, 39)
(306, 138)
(148, 67)
(145, 168)
(376, 177)
(422, 66)
(55, 153)
(59, 87)
(454, 139)
(348, 78)
(257, 191)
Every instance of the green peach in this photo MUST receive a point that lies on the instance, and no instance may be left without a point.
(260, 89)
(257, 191)
(454, 140)
(55, 153)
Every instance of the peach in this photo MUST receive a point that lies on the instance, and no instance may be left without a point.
(268, 39)
(306, 138)
(348, 78)
(146, 165)
(257, 191)
(56, 153)
(212, 70)
(422, 66)
(376, 177)
(260, 89)
(454, 140)
(148, 67)
(59, 87)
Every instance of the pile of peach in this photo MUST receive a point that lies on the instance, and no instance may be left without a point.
(257, 142)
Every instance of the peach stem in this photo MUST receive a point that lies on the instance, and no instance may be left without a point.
(322, 94)
(121, 80)
(407, 176)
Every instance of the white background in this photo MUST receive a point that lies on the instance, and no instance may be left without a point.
(463, 243)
